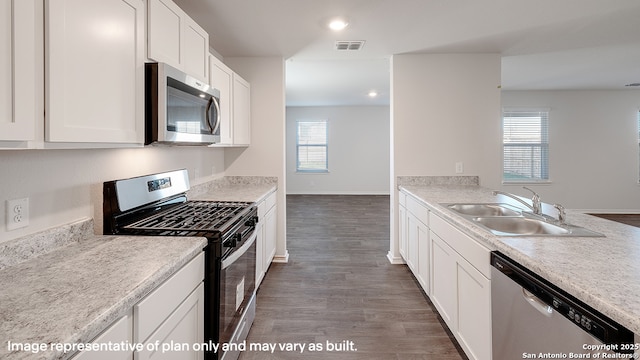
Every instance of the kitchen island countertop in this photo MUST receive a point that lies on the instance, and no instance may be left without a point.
(604, 272)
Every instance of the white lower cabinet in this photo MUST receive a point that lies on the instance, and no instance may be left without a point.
(173, 313)
(402, 225)
(461, 287)
(184, 326)
(443, 281)
(266, 232)
(474, 311)
(121, 331)
(417, 240)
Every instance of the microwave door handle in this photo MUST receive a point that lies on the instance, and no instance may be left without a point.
(217, 123)
(206, 114)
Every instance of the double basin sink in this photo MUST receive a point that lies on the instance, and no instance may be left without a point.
(506, 220)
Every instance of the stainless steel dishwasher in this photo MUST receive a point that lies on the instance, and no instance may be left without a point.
(533, 319)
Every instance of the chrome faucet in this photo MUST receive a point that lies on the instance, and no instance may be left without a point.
(535, 206)
(562, 215)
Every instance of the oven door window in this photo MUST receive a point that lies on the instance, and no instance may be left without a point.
(237, 284)
(190, 111)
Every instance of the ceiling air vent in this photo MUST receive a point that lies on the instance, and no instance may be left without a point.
(349, 45)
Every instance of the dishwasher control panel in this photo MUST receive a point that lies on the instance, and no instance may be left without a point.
(580, 314)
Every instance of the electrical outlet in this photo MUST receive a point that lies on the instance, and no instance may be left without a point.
(459, 168)
(17, 213)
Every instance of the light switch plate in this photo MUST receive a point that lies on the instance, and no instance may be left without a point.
(17, 213)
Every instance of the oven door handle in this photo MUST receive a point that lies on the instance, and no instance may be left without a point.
(239, 252)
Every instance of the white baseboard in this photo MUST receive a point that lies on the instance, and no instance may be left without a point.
(281, 258)
(397, 260)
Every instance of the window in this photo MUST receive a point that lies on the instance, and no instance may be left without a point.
(525, 145)
(311, 146)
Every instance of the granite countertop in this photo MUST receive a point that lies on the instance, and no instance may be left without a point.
(235, 188)
(604, 272)
(72, 293)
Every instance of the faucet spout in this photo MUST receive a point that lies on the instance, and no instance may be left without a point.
(535, 200)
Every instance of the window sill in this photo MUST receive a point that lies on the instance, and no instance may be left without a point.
(313, 172)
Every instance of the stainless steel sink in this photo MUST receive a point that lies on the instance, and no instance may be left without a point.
(507, 220)
(523, 226)
(486, 209)
(519, 226)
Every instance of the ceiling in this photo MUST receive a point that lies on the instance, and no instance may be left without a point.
(545, 44)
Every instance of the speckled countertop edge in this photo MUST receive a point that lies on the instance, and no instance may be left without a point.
(602, 272)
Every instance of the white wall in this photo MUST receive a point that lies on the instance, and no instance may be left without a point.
(358, 138)
(266, 155)
(593, 147)
(66, 185)
(445, 108)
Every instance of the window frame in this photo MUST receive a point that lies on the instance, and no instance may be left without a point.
(543, 145)
(325, 145)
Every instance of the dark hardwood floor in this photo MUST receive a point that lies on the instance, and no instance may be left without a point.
(629, 219)
(339, 288)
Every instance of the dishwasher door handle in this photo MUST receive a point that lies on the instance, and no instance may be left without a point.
(537, 304)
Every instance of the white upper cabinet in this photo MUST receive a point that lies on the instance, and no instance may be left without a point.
(241, 111)
(94, 57)
(17, 70)
(221, 78)
(174, 38)
(235, 104)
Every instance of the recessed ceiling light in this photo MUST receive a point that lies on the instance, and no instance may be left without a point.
(338, 24)
(373, 94)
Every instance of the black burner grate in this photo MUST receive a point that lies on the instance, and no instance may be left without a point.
(192, 218)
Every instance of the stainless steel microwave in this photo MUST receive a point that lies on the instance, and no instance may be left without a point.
(179, 109)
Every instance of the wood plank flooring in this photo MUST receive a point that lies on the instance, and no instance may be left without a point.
(628, 219)
(339, 287)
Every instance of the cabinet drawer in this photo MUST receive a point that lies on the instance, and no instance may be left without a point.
(270, 201)
(159, 304)
(265, 205)
(472, 251)
(402, 199)
(418, 210)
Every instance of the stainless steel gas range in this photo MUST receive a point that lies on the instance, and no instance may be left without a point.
(157, 205)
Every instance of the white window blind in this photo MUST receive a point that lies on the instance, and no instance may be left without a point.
(525, 145)
(312, 146)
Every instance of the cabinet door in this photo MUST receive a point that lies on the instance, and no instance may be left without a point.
(184, 327)
(17, 70)
(412, 243)
(121, 331)
(241, 111)
(221, 78)
(444, 279)
(271, 230)
(423, 257)
(95, 71)
(195, 50)
(164, 24)
(474, 311)
(402, 232)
